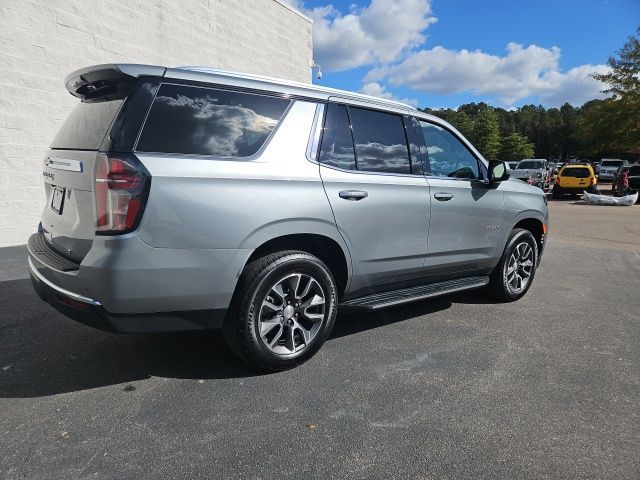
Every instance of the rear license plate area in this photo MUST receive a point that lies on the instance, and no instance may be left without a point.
(57, 199)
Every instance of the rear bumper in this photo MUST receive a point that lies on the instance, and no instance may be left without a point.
(125, 285)
(89, 311)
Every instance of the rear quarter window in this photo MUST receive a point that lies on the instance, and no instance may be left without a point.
(208, 121)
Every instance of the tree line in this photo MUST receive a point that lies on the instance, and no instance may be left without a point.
(597, 129)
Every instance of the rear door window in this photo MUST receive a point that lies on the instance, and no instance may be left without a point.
(448, 156)
(206, 121)
(380, 141)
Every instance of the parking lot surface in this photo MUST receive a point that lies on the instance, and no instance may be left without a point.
(456, 387)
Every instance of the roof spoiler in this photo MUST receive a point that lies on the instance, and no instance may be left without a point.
(107, 82)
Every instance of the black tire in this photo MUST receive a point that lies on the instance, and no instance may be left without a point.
(242, 322)
(555, 193)
(498, 285)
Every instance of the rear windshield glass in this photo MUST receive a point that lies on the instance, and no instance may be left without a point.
(531, 164)
(612, 163)
(208, 121)
(86, 125)
(634, 171)
(576, 172)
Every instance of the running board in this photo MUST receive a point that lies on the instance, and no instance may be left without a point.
(412, 294)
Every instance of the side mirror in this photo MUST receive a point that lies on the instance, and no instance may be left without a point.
(498, 172)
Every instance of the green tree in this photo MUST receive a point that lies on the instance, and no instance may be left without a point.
(464, 124)
(624, 85)
(486, 132)
(614, 124)
(516, 147)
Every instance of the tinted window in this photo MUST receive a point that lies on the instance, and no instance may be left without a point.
(206, 121)
(448, 157)
(86, 126)
(634, 171)
(337, 145)
(531, 164)
(381, 145)
(576, 172)
(612, 163)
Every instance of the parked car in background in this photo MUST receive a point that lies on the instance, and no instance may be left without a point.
(556, 166)
(194, 199)
(512, 165)
(608, 167)
(534, 171)
(573, 179)
(627, 181)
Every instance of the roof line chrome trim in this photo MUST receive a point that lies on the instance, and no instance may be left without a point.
(290, 83)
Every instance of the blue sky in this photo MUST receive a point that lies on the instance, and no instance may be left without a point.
(443, 53)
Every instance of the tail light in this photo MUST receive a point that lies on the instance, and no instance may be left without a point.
(122, 187)
(592, 181)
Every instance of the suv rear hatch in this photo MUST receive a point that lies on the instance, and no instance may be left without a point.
(114, 101)
(575, 177)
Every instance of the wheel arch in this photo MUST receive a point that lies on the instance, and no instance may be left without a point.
(325, 248)
(535, 226)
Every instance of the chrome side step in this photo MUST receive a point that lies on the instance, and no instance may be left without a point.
(396, 297)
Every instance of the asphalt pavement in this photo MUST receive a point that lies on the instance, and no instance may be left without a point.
(457, 387)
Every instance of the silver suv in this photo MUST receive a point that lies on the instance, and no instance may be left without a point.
(190, 198)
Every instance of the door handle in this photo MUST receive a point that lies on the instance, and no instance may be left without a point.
(443, 196)
(353, 195)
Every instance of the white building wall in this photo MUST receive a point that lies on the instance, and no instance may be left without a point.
(41, 41)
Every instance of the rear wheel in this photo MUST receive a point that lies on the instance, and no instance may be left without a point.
(514, 274)
(555, 192)
(283, 310)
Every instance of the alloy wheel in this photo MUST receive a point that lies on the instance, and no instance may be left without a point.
(519, 268)
(291, 314)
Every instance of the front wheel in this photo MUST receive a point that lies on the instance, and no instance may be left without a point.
(514, 274)
(283, 310)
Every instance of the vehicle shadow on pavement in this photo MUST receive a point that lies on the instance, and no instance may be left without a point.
(353, 323)
(43, 353)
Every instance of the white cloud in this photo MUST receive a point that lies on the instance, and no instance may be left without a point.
(576, 86)
(376, 90)
(521, 73)
(378, 33)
